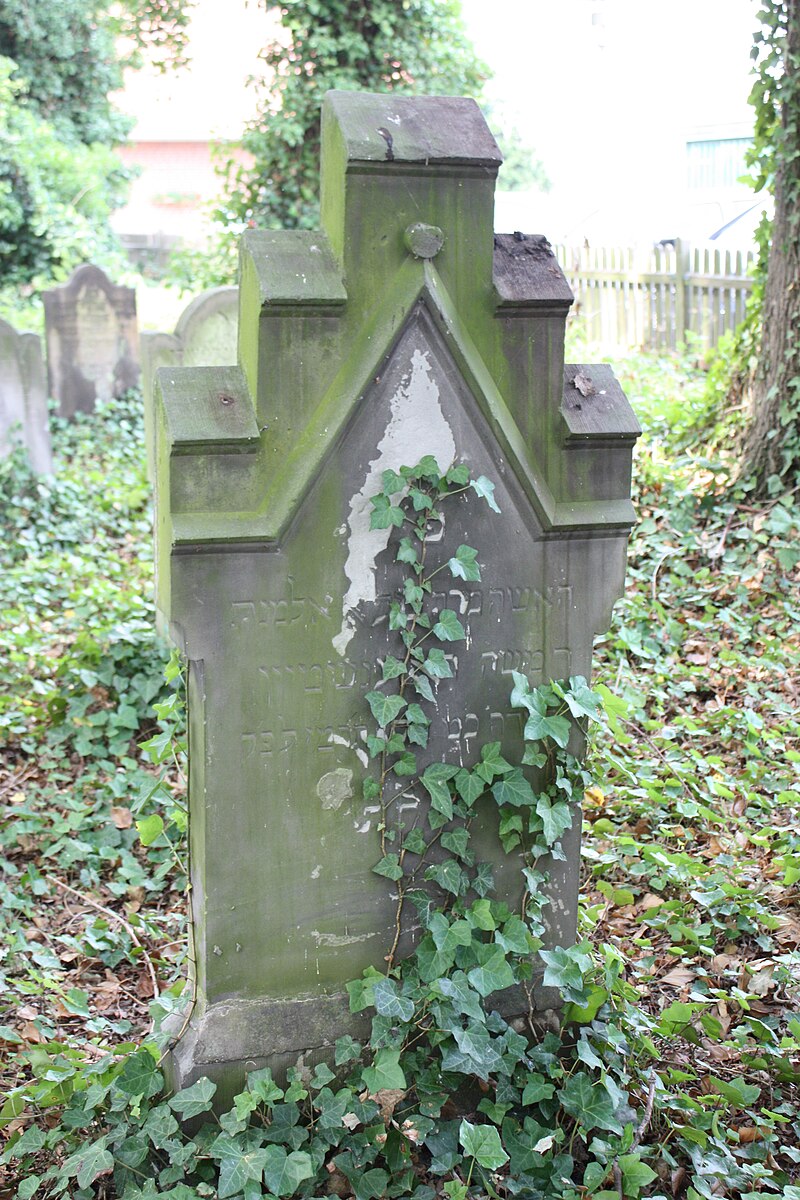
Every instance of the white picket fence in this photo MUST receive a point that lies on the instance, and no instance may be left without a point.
(653, 296)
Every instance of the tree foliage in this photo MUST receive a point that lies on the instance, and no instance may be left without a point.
(59, 178)
(352, 45)
(772, 335)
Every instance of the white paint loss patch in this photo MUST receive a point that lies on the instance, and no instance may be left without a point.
(340, 939)
(417, 427)
(335, 787)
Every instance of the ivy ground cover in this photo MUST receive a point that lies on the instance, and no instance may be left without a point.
(675, 1070)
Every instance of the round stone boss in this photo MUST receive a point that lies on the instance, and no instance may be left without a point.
(424, 241)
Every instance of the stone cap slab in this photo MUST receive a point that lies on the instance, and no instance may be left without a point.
(207, 406)
(428, 130)
(526, 275)
(595, 408)
(295, 267)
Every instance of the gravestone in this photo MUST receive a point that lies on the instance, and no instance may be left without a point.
(92, 342)
(23, 398)
(404, 327)
(205, 336)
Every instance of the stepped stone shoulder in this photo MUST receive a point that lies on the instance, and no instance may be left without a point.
(205, 336)
(403, 327)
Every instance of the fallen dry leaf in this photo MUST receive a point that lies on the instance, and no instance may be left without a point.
(678, 977)
(584, 384)
(387, 1100)
(122, 817)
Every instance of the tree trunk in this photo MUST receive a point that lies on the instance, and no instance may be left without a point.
(772, 439)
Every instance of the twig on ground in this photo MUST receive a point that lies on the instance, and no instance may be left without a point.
(647, 1117)
(109, 912)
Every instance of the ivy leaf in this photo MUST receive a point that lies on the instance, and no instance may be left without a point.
(461, 994)
(475, 1053)
(236, 1170)
(449, 876)
(392, 667)
(398, 617)
(414, 842)
(193, 1100)
(458, 475)
(449, 934)
(347, 1050)
(463, 564)
(448, 628)
(435, 784)
(384, 513)
(513, 789)
(485, 488)
(540, 725)
(390, 1003)
(407, 552)
(537, 1088)
(433, 963)
(482, 1142)
(89, 1162)
(421, 500)
(283, 1173)
(415, 714)
(565, 969)
(392, 482)
(385, 708)
(423, 688)
(418, 734)
(589, 1103)
(636, 1175)
(361, 992)
(515, 937)
(457, 842)
(480, 915)
(369, 1185)
(493, 972)
(406, 764)
(413, 594)
(556, 818)
(437, 665)
(469, 786)
(150, 828)
(385, 1072)
(389, 866)
(579, 698)
(483, 879)
(492, 762)
(140, 1076)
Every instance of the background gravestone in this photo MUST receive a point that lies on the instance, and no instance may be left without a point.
(404, 328)
(92, 341)
(205, 336)
(23, 398)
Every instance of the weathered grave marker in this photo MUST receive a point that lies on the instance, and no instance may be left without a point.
(205, 336)
(23, 398)
(404, 328)
(92, 342)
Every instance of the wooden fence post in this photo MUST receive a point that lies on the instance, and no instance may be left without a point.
(681, 266)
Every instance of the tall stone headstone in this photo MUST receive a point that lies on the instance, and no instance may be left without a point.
(205, 336)
(404, 327)
(23, 398)
(92, 340)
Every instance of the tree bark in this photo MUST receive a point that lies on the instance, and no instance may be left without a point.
(772, 438)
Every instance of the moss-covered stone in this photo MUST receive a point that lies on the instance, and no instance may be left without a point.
(362, 348)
